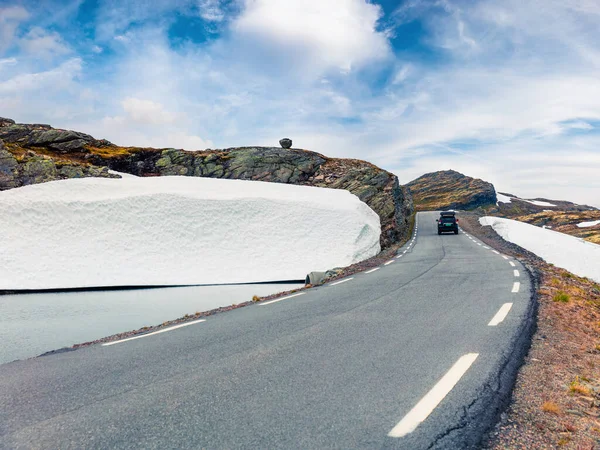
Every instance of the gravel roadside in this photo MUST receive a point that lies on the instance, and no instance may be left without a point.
(556, 399)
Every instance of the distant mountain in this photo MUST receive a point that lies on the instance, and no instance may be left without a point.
(449, 189)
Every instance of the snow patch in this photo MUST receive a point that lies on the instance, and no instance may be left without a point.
(588, 224)
(573, 254)
(502, 198)
(539, 203)
(176, 231)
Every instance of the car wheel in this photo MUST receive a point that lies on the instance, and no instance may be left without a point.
(455, 231)
(439, 232)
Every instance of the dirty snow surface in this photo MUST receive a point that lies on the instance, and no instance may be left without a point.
(96, 232)
(573, 254)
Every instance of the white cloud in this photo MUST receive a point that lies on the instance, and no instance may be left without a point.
(10, 19)
(341, 34)
(42, 43)
(8, 61)
(211, 10)
(147, 111)
(51, 80)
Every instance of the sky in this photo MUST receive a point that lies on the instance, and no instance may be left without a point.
(503, 90)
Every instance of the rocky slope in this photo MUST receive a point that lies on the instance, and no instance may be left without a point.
(38, 153)
(449, 189)
(510, 205)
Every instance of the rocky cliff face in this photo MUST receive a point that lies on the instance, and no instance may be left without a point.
(449, 189)
(67, 154)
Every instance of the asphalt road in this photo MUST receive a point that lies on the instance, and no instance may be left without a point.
(400, 357)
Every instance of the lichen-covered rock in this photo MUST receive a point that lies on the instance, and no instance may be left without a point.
(24, 168)
(285, 143)
(41, 135)
(449, 189)
(9, 173)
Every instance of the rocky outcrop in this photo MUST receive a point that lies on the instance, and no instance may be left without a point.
(449, 189)
(56, 154)
(44, 136)
(32, 168)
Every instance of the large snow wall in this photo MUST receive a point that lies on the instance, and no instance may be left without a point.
(162, 231)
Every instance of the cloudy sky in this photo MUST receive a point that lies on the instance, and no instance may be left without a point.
(504, 90)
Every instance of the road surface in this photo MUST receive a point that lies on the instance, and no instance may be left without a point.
(416, 354)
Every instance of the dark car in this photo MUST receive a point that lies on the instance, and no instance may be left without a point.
(447, 222)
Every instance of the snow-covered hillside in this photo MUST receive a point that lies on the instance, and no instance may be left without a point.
(573, 254)
(177, 230)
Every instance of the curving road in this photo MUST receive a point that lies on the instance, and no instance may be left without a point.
(416, 354)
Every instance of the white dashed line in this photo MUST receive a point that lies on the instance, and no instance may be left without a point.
(487, 248)
(399, 256)
(516, 287)
(389, 262)
(497, 253)
(372, 270)
(505, 257)
(516, 273)
(280, 299)
(478, 244)
(342, 281)
(427, 404)
(512, 264)
(404, 252)
(500, 315)
(106, 344)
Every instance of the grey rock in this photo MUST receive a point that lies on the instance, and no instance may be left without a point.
(286, 143)
(8, 169)
(4, 122)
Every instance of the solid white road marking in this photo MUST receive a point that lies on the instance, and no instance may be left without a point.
(516, 272)
(389, 262)
(500, 315)
(164, 330)
(279, 299)
(516, 287)
(512, 264)
(372, 270)
(342, 281)
(427, 404)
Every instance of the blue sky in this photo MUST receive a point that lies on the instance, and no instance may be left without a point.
(504, 90)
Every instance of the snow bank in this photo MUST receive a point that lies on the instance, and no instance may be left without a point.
(588, 224)
(573, 254)
(176, 231)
